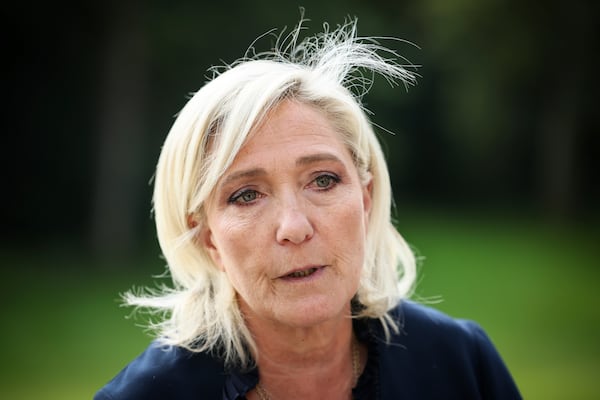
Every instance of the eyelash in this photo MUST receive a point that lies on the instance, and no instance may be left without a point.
(334, 180)
(237, 196)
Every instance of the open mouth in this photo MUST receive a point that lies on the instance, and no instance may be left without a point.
(303, 273)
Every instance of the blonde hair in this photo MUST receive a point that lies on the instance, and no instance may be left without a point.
(326, 71)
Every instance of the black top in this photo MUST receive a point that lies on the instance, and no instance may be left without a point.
(433, 357)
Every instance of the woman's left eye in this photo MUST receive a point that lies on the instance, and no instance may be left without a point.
(326, 181)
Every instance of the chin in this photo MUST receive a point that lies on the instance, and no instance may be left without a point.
(312, 314)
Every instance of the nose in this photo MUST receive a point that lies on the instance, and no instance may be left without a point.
(294, 225)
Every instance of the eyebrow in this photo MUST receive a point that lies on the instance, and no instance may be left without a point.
(313, 158)
(304, 160)
(249, 173)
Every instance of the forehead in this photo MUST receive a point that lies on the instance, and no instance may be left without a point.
(293, 127)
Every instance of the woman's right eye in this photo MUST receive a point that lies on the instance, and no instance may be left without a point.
(243, 197)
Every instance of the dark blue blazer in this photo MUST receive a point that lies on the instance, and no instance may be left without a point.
(432, 357)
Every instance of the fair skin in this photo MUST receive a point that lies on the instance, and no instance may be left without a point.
(287, 224)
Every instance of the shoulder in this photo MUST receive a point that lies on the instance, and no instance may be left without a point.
(433, 325)
(166, 372)
(426, 332)
(457, 355)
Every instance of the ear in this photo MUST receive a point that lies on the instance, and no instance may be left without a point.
(191, 220)
(206, 240)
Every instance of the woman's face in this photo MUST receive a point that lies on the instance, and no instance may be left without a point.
(287, 220)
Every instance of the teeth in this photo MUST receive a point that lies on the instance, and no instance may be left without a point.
(302, 274)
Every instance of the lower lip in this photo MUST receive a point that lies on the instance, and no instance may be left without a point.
(307, 278)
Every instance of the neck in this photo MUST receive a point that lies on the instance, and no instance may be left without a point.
(298, 348)
(313, 362)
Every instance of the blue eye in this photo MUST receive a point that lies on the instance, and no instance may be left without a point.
(248, 196)
(326, 181)
(244, 197)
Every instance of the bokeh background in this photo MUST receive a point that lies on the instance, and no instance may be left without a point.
(494, 158)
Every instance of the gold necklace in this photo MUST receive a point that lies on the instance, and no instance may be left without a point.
(264, 395)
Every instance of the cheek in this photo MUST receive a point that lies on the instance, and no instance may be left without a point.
(349, 233)
(214, 243)
(356, 219)
(236, 266)
(236, 245)
(231, 251)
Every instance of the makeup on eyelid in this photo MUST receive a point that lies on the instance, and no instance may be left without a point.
(323, 182)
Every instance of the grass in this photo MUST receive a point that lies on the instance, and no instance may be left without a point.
(531, 285)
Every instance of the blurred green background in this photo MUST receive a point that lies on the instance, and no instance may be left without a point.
(494, 159)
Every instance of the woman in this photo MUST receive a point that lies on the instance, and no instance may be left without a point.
(272, 202)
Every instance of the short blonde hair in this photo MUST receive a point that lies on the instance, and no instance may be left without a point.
(326, 71)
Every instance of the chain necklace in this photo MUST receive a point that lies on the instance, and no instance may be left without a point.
(264, 395)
